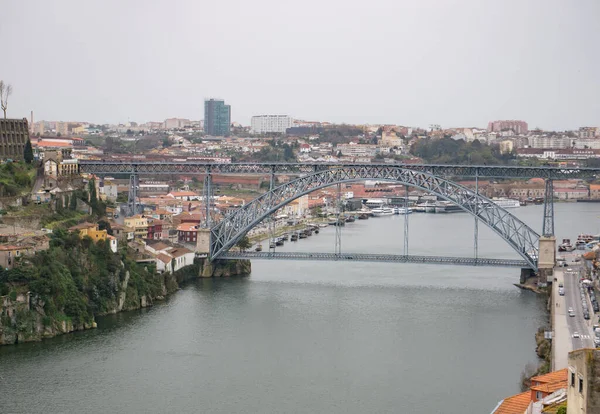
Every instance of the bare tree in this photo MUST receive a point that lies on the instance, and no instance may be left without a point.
(5, 91)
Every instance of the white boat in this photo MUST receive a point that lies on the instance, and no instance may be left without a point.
(506, 202)
(382, 211)
(402, 210)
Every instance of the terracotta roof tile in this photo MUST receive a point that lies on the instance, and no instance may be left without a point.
(560, 375)
(187, 227)
(166, 259)
(551, 387)
(515, 404)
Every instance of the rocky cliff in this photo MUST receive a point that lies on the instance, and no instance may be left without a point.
(62, 290)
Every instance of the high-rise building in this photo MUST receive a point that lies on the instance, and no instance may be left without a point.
(14, 134)
(519, 127)
(217, 118)
(264, 124)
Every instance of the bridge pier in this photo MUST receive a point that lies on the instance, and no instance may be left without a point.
(526, 273)
(547, 258)
(203, 241)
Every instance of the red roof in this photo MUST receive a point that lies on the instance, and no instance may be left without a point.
(187, 227)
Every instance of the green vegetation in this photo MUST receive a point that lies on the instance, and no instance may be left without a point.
(244, 243)
(450, 151)
(16, 178)
(76, 279)
(275, 152)
(28, 152)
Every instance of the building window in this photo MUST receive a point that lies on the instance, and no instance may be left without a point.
(580, 384)
(538, 395)
(572, 379)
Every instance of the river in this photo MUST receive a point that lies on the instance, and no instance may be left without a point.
(310, 337)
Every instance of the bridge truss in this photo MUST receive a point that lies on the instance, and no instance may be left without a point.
(194, 167)
(517, 234)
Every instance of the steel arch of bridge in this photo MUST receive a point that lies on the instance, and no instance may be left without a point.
(234, 226)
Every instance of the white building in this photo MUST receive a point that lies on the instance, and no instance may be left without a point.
(550, 142)
(587, 143)
(264, 124)
(357, 150)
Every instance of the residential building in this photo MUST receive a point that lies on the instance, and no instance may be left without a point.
(357, 150)
(217, 118)
(173, 259)
(63, 128)
(587, 132)
(113, 243)
(122, 232)
(571, 193)
(187, 233)
(90, 230)
(8, 255)
(519, 127)
(587, 143)
(390, 139)
(155, 229)
(175, 123)
(583, 392)
(506, 146)
(595, 191)
(549, 142)
(541, 387)
(14, 134)
(139, 224)
(264, 124)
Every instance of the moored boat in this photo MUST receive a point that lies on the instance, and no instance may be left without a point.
(506, 202)
(382, 211)
(402, 210)
(566, 246)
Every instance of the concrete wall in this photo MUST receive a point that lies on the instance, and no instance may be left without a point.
(583, 393)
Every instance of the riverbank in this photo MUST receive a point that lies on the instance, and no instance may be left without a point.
(62, 290)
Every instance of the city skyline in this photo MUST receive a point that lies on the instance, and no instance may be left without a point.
(407, 63)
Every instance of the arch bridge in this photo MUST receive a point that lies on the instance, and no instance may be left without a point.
(313, 176)
(524, 240)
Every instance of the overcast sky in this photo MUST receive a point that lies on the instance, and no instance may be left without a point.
(410, 62)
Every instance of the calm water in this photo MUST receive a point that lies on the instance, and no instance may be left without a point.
(301, 337)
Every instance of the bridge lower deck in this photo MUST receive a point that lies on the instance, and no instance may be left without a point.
(389, 258)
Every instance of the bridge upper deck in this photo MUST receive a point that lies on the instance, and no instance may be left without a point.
(195, 167)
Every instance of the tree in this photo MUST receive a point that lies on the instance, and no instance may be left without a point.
(59, 205)
(5, 92)
(105, 225)
(244, 243)
(28, 152)
(73, 202)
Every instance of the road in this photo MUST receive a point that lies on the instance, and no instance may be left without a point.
(564, 325)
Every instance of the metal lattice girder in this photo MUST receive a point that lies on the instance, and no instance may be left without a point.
(390, 258)
(517, 234)
(548, 228)
(194, 167)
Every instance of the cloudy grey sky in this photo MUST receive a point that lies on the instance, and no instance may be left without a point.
(410, 62)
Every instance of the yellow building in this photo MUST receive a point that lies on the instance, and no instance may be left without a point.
(139, 224)
(79, 130)
(506, 146)
(90, 230)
